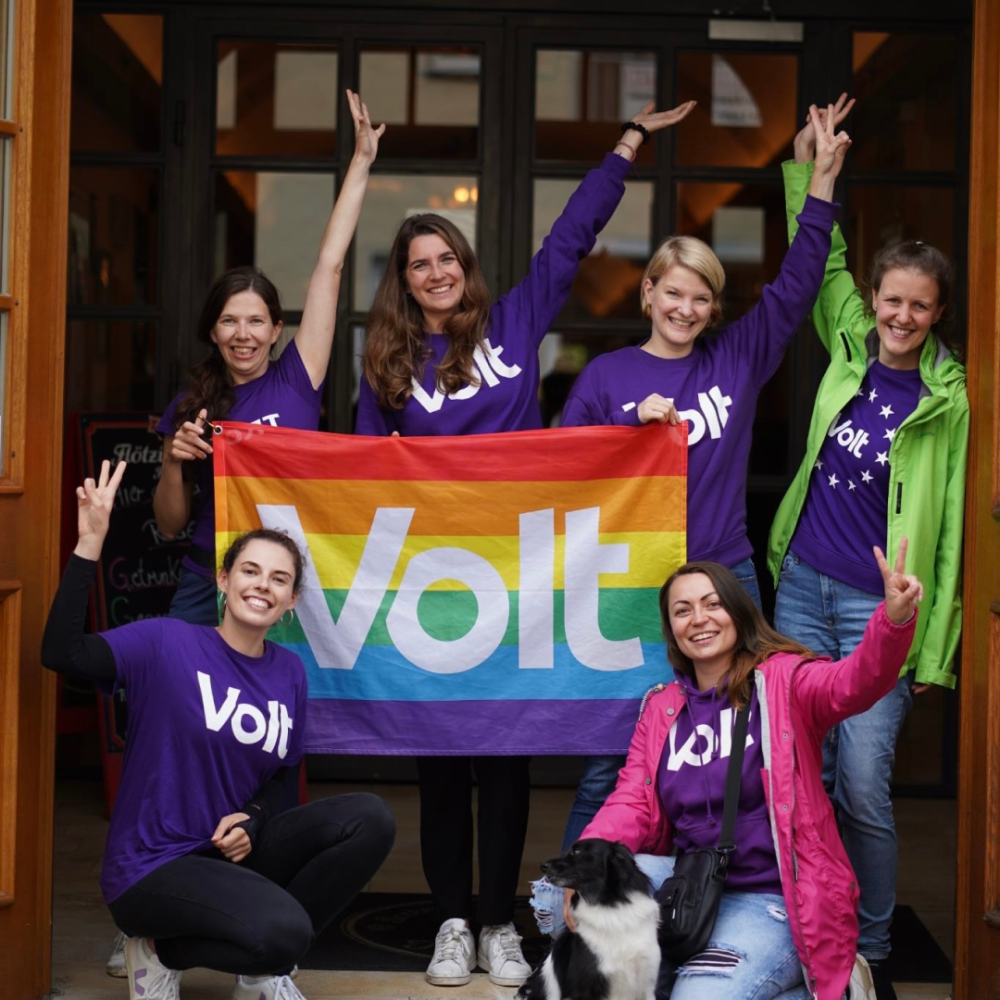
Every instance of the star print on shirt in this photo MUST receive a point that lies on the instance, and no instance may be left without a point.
(890, 434)
(882, 457)
(851, 485)
(872, 396)
(887, 412)
(866, 476)
(834, 480)
(860, 392)
(818, 465)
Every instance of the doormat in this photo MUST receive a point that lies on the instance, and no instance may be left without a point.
(394, 932)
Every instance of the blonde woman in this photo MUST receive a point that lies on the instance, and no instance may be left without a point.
(712, 384)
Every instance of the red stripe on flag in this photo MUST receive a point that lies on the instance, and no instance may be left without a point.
(566, 454)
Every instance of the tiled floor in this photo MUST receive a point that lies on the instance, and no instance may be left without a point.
(82, 928)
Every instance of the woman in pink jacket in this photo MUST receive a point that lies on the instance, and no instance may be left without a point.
(787, 925)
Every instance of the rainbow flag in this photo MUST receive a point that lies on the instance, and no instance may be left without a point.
(494, 594)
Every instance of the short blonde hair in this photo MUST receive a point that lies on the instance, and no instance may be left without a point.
(695, 255)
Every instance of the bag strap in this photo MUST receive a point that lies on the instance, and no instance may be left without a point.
(734, 778)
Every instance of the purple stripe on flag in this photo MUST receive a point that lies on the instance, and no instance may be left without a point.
(443, 728)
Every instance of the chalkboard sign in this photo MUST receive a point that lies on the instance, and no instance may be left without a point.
(139, 569)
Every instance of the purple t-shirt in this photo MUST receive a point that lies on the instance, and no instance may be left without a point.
(506, 398)
(692, 785)
(845, 512)
(715, 389)
(282, 397)
(208, 726)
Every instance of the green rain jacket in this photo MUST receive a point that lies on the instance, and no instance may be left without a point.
(927, 456)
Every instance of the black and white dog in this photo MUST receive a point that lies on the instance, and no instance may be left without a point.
(614, 954)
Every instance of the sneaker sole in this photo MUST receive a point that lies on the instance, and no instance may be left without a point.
(507, 980)
(118, 971)
(448, 980)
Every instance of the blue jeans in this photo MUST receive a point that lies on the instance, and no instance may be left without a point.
(752, 954)
(601, 773)
(830, 618)
(195, 600)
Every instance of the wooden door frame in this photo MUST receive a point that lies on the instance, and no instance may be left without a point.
(977, 929)
(30, 492)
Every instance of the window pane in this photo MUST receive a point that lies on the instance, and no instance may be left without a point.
(4, 317)
(907, 87)
(117, 82)
(114, 235)
(428, 98)
(275, 221)
(275, 99)
(562, 357)
(607, 283)
(883, 214)
(745, 116)
(392, 198)
(6, 146)
(6, 56)
(582, 98)
(110, 366)
(745, 225)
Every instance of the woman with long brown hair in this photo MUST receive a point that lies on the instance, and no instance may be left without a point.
(787, 924)
(440, 359)
(240, 322)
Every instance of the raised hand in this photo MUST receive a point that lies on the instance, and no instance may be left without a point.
(902, 590)
(831, 146)
(366, 136)
(94, 503)
(659, 408)
(189, 440)
(652, 121)
(805, 141)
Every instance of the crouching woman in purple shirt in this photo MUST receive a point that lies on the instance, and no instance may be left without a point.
(787, 924)
(713, 384)
(198, 871)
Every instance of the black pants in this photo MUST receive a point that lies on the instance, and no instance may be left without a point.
(259, 917)
(446, 833)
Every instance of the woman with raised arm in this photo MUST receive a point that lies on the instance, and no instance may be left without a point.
(241, 321)
(786, 926)
(885, 457)
(441, 359)
(712, 383)
(198, 870)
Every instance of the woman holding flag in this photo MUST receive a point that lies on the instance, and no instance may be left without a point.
(441, 359)
(713, 384)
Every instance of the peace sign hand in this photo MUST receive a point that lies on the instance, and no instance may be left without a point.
(831, 146)
(805, 142)
(902, 589)
(366, 136)
(95, 502)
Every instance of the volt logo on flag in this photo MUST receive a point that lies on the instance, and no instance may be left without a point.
(494, 594)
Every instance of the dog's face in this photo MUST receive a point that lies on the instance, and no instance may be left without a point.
(601, 872)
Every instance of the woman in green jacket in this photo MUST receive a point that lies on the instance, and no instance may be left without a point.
(885, 458)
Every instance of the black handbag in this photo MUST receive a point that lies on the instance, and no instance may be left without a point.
(689, 899)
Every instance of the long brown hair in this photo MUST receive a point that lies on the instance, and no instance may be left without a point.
(755, 639)
(210, 386)
(395, 353)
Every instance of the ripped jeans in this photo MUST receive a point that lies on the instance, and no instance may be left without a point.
(750, 955)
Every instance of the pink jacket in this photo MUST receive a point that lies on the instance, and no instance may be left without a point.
(800, 699)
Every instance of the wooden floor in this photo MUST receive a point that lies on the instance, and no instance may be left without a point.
(82, 927)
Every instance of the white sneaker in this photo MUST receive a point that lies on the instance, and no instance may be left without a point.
(148, 977)
(500, 955)
(266, 988)
(454, 955)
(861, 986)
(116, 962)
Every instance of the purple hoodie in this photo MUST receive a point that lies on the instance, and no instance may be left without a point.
(692, 784)
(715, 388)
(506, 396)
